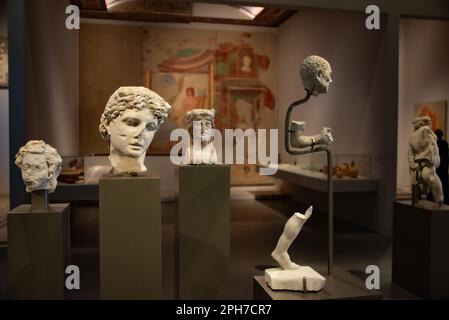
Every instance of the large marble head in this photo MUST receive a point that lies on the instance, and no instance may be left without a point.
(203, 117)
(130, 119)
(316, 74)
(40, 164)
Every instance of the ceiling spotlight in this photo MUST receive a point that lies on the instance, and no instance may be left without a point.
(251, 12)
(110, 4)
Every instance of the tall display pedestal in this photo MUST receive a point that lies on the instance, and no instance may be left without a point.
(130, 237)
(340, 285)
(204, 232)
(420, 249)
(38, 251)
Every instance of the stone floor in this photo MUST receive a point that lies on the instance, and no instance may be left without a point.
(255, 229)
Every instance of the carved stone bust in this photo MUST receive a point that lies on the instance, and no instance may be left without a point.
(200, 124)
(40, 164)
(130, 119)
(316, 74)
(424, 158)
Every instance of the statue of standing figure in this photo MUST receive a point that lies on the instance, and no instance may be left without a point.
(424, 159)
(315, 74)
(316, 77)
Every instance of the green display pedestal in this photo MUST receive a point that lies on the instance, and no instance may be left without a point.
(130, 237)
(204, 232)
(420, 248)
(38, 251)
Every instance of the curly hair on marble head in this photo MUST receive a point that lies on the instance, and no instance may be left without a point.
(54, 160)
(312, 69)
(132, 98)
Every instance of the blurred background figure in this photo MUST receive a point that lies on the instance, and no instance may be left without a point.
(442, 170)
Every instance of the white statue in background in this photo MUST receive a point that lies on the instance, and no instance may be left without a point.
(424, 158)
(40, 164)
(130, 119)
(200, 123)
(291, 276)
(316, 77)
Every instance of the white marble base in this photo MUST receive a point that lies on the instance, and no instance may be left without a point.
(279, 279)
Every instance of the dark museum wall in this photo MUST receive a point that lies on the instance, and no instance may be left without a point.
(355, 105)
(423, 77)
(52, 76)
(110, 56)
(4, 124)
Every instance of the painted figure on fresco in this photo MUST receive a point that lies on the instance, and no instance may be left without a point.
(246, 64)
(190, 102)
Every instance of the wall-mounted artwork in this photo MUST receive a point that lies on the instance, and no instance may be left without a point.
(437, 112)
(185, 92)
(232, 72)
(3, 62)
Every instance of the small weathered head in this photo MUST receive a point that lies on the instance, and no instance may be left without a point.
(205, 118)
(316, 74)
(40, 164)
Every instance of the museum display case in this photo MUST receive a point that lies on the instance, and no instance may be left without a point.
(345, 166)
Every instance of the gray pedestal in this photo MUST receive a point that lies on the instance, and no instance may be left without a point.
(204, 232)
(38, 251)
(130, 237)
(420, 249)
(340, 285)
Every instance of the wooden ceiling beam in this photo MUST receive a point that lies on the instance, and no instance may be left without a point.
(271, 17)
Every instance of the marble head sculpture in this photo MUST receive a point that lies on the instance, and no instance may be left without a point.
(203, 152)
(316, 74)
(424, 158)
(130, 119)
(40, 164)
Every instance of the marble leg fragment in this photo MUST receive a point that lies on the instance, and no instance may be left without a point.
(291, 231)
